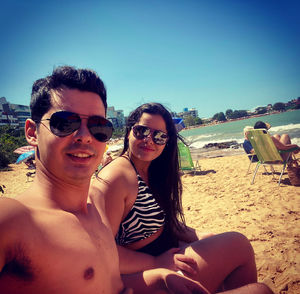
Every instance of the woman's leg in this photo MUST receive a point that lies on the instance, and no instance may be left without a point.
(257, 288)
(285, 139)
(225, 259)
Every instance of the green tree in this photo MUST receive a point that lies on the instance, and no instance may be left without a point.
(219, 116)
(198, 121)
(10, 139)
(192, 121)
(118, 133)
(261, 110)
(228, 113)
(279, 106)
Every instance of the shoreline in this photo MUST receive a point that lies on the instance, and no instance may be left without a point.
(235, 119)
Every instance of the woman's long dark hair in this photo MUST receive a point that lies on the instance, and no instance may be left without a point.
(164, 177)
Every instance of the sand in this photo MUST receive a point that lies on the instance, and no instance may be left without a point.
(220, 198)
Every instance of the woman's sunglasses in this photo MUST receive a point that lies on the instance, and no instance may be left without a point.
(158, 137)
(64, 123)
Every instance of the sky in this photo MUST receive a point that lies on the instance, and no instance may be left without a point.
(211, 55)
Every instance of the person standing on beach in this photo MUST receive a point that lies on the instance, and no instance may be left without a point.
(142, 190)
(53, 238)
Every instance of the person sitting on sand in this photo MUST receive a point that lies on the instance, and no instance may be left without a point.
(53, 238)
(247, 144)
(282, 142)
(142, 190)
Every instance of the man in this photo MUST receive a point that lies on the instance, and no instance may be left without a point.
(53, 239)
(282, 142)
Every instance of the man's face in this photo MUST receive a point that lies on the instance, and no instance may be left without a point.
(75, 157)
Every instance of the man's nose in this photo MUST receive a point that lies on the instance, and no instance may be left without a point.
(83, 133)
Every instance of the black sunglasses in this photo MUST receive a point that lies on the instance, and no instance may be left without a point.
(64, 123)
(158, 137)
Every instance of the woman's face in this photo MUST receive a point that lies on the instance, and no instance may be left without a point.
(145, 149)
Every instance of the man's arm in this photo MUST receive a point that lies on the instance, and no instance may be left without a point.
(13, 215)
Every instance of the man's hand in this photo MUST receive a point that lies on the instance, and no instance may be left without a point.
(176, 262)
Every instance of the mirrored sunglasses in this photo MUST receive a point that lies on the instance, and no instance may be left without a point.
(158, 137)
(64, 123)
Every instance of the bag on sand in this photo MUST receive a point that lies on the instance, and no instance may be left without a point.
(293, 170)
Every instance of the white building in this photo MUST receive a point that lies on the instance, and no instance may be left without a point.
(13, 115)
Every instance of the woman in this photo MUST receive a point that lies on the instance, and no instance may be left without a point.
(142, 190)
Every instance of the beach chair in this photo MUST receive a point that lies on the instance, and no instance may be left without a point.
(186, 163)
(266, 151)
(253, 159)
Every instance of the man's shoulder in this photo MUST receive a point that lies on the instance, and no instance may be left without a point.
(12, 210)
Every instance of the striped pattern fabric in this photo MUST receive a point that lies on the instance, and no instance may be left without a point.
(144, 219)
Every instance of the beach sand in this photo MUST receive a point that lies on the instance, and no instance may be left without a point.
(220, 198)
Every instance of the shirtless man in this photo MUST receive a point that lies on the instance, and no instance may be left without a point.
(53, 239)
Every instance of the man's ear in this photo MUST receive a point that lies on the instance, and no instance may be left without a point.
(31, 132)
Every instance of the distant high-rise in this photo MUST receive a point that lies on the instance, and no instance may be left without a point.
(13, 115)
(116, 117)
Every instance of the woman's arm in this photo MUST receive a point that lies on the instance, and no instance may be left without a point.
(162, 281)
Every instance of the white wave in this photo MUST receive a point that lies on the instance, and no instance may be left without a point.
(296, 141)
(201, 144)
(284, 128)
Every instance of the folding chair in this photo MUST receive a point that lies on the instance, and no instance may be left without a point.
(251, 158)
(266, 151)
(185, 159)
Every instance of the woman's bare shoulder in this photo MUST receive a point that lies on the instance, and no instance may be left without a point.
(118, 172)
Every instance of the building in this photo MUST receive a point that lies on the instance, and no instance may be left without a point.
(188, 112)
(116, 117)
(13, 115)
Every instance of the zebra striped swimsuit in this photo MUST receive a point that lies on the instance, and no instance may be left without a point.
(145, 218)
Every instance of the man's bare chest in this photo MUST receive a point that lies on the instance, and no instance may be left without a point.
(60, 252)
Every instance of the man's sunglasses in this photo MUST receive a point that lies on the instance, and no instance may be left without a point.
(158, 137)
(64, 123)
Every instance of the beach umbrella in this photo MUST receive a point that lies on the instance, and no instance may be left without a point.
(25, 156)
(23, 149)
(179, 124)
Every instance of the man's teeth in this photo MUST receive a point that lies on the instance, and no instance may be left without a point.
(80, 155)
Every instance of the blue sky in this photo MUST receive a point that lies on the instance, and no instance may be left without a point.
(210, 55)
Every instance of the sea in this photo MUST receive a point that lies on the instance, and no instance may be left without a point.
(285, 122)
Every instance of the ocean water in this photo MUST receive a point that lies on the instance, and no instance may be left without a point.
(285, 122)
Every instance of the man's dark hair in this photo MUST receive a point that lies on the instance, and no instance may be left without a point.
(63, 77)
(260, 125)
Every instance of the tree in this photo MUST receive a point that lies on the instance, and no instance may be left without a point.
(219, 116)
(118, 133)
(228, 113)
(261, 110)
(279, 106)
(192, 121)
(10, 139)
(198, 121)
